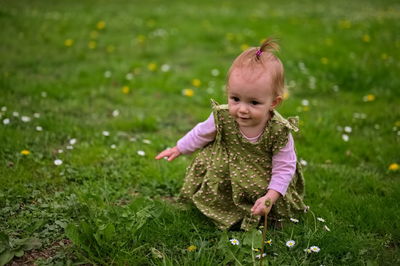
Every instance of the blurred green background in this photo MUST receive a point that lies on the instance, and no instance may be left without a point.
(91, 91)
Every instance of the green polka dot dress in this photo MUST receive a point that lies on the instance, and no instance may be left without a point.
(229, 174)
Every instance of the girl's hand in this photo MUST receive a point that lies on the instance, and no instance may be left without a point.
(170, 154)
(259, 207)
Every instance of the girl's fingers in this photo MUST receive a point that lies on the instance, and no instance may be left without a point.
(173, 156)
(162, 154)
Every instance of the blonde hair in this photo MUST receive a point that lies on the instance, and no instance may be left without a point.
(263, 58)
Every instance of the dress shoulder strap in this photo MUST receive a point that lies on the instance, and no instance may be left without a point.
(291, 122)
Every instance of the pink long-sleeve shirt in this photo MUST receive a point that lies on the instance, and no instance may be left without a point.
(283, 163)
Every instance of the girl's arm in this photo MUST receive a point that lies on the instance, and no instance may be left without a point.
(196, 138)
(283, 169)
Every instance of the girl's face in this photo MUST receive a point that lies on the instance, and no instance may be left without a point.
(250, 100)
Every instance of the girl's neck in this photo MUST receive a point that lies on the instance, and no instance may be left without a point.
(256, 131)
(250, 135)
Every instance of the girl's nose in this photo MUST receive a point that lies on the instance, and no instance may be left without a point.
(243, 109)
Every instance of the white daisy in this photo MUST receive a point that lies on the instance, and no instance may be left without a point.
(4, 108)
(6, 121)
(129, 76)
(165, 68)
(305, 102)
(60, 151)
(315, 249)
(345, 137)
(347, 129)
(146, 141)
(321, 219)
(115, 113)
(234, 241)
(141, 153)
(303, 162)
(72, 141)
(106, 133)
(327, 228)
(294, 220)
(36, 115)
(259, 255)
(58, 162)
(113, 146)
(39, 128)
(290, 243)
(69, 147)
(16, 114)
(210, 90)
(215, 72)
(25, 119)
(107, 74)
(307, 250)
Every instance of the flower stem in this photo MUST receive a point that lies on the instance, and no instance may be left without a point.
(263, 239)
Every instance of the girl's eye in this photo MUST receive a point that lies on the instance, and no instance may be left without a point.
(236, 99)
(254, 102)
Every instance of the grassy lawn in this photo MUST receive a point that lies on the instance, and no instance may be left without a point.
(91, 91)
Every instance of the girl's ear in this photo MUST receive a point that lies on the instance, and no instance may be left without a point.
(276, 102)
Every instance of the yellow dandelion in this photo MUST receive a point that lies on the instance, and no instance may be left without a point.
(244, 47)
(306, 108)
(394, 167)
(101, 25)
(286, 94)
(94, 34)
(188, 92)
(230, 36)
(397, 123)
(152, 66)
(69, 42)
(369, 98)
(384, 56)
(92, 45)
(324, 60)
(25, 152)
(140, 39)
(125, 90)
(196, 82)
(191, 248)
(366, 38)
(151, 23)
(110, 48)
(345, 24)
(328, 41)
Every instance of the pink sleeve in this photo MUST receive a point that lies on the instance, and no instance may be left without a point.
(283, 167)
(198, 137)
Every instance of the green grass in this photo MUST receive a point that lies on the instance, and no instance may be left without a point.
(112, 204)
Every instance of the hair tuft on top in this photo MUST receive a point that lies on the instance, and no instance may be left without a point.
(262, 58)
(269, 45)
